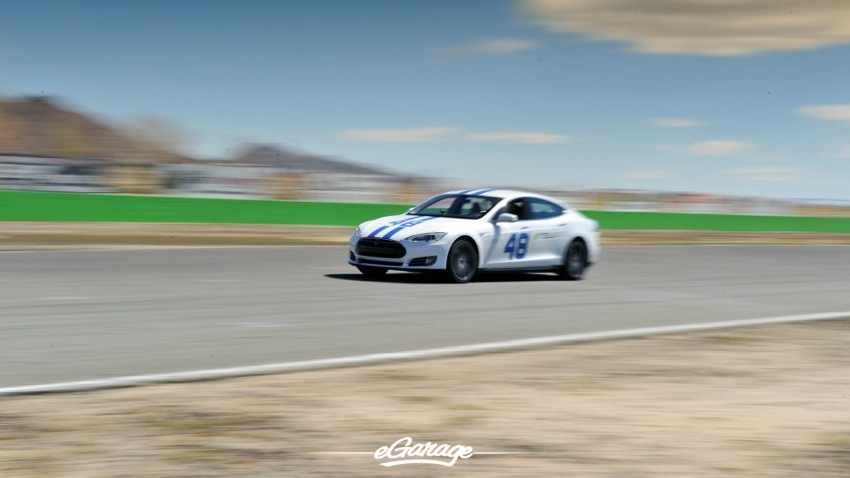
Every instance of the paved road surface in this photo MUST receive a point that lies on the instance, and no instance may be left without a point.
(80, 315)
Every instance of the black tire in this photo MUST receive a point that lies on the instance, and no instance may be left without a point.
(462, 263)
(372, 272)
(575, 261)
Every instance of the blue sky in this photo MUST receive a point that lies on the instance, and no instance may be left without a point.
(746, 98)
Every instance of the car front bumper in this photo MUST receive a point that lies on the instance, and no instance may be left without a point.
(417, 256)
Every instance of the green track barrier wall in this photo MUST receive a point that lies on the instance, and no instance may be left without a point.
(718, 222)
(36, 206)
(64, 207)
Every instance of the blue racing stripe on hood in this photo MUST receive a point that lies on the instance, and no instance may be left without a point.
(478, 193)
(405, 225)
(378, 231)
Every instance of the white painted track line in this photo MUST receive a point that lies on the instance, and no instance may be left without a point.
(372, 359)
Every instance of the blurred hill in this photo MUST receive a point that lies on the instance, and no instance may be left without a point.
(277, 157)
(40, 126)
(47, 146)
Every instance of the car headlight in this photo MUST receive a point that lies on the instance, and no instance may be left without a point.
(428, 237)
(357, 231)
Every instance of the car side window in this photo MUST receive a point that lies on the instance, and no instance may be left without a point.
(475, 206)
(518, 207)
(543, 209)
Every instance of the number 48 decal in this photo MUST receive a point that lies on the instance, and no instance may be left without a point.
(517, 246)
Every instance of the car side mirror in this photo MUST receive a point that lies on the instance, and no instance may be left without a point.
(507, 217)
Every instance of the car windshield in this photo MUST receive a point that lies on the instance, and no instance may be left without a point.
(462, 206)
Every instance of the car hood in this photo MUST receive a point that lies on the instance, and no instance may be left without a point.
(403, 226)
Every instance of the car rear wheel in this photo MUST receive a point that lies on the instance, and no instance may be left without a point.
(372, 272)
(463, 261)
(575, 261)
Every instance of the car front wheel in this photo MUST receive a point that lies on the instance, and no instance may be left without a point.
(575, 261)
(463, 261)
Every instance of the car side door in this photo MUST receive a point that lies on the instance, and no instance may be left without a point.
(511, 246)
(549, 229)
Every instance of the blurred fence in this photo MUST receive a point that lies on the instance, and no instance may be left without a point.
(216, 179)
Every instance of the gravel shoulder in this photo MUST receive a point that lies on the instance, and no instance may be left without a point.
(756, 401)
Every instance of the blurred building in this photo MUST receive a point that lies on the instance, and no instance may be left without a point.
(38, 173)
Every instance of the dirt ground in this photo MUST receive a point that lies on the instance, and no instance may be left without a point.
(766, 401)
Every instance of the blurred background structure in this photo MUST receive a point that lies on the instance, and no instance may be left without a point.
(45, 147)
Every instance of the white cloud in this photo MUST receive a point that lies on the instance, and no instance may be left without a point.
(699, 27)
(674, 123)
(717, 148)
(647, 175)
(493, 46)
(417, 135)
(770, 175)
(519, 137)
(827, 112)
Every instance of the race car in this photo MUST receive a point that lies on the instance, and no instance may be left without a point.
(460, 233)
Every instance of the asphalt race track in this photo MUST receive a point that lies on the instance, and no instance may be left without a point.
(84, 315)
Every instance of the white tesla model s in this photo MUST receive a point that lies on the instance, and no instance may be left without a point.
(463, 232)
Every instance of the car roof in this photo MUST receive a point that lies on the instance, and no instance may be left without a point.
(499, 193)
